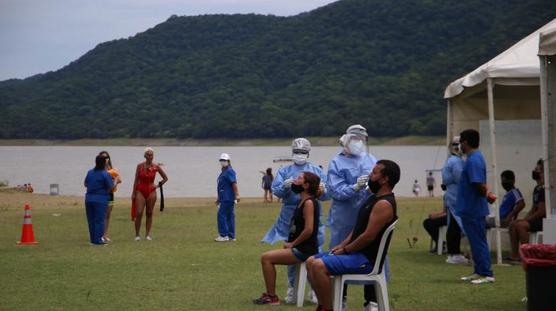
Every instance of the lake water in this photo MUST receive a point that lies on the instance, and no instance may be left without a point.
(192, 171)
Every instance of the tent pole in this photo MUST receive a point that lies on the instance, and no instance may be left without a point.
(490, 87)
(545, 133)
(449, 124)
(548, 115)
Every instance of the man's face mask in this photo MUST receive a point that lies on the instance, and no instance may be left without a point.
(300, 157)
(456, 149)
(374, 185)
(507, 185)
(535, 175)
(356, 147)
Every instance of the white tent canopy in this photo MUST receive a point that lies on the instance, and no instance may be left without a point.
(503, 93)
(519, 63)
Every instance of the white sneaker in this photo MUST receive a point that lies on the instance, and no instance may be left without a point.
(483, 280)
(137, 238)
(457, 260)
(149, 238)
(470, 277)
(371, 306)
(222, 239)
(290, 296)
(313, 297)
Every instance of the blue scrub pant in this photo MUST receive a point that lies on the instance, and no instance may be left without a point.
(226, 220)
(475, 228)
(96, 215)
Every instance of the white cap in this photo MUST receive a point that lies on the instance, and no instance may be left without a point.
(301, 144)
(455, 140)
(225, 157)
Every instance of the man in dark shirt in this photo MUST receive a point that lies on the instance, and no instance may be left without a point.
(357, 253)
(519, 229)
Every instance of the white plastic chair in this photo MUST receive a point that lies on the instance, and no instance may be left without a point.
(299, 284)
(377, 275)
(440, 240)
(491, 235)
(535, 237)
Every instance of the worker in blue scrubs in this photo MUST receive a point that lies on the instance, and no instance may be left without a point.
(471, 206)
(451, 175)
(228, 196)
(348, 173)
(99, 184)
(281, 187)
(347, 177)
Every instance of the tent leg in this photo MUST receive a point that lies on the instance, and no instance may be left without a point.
(490, 87)
(548, 115)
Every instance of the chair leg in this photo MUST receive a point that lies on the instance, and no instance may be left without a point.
(532, 238)
(299, 286)
(441, 239)
(338, 292)
(381, 291)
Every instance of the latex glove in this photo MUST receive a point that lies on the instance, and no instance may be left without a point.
(361, 181)
(287, 183)
(322, 188)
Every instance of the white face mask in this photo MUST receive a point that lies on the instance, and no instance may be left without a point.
(224, 163)
(356, 147)
(300, 158)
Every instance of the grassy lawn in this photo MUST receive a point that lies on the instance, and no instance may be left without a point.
(183, 269)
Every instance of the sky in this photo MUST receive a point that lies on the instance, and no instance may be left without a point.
(37, 36)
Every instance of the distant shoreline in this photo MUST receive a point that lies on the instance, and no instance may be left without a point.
(315, 141)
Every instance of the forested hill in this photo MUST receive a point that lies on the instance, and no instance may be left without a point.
(380, 63)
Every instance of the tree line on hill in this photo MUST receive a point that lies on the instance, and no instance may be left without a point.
(383, 64)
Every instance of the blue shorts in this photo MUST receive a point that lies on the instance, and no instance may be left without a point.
(300, 255)
(353, 263)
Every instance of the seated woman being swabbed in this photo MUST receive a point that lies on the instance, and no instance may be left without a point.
(302, 240)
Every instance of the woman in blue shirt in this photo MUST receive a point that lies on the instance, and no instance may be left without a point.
(99, 184)
(228, 195)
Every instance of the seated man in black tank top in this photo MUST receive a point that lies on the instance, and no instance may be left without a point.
(357, 253)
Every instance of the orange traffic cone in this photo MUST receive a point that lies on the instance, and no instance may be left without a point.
(27, 235)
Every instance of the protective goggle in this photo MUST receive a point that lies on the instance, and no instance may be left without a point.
(300, 151)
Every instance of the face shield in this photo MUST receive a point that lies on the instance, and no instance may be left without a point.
(354, 144)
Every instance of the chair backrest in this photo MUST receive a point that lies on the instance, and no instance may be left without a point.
(383, 248)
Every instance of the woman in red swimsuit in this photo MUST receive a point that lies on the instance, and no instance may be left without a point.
(144, 191)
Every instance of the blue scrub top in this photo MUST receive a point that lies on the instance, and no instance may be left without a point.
(225, 180)
(508, 202)
(470, 202)
(99, 184)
